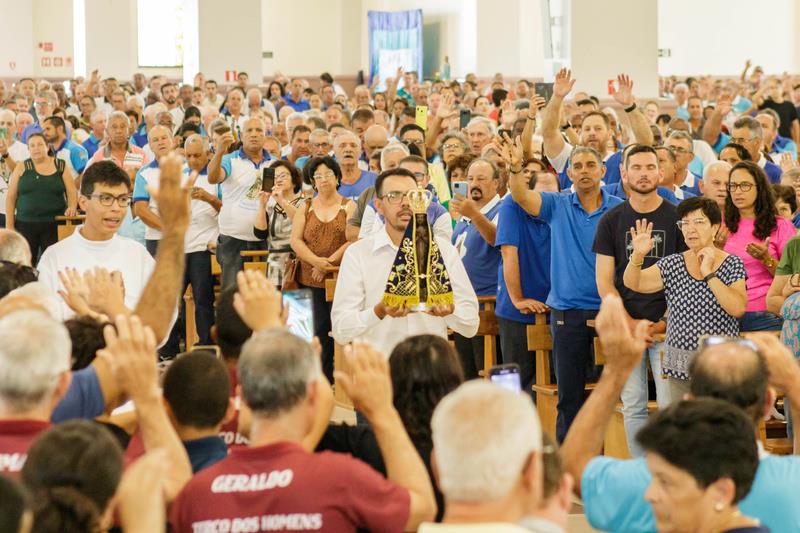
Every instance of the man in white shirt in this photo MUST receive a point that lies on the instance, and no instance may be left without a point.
(105, 195)
(213, 98)
(358, 308)
(169, 95)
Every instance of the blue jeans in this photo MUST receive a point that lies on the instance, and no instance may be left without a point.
(229, 256)
(760, 321)
(634, 396)
(572, 354)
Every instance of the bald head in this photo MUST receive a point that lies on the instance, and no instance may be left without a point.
(14, 248)
(375, 138)
(732, 372)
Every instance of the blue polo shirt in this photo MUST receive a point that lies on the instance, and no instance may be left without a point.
(722, 141)
(73, 154)
(617, 190)
(613, 494)
(139, 137)
(354, 190)
(572, 262)
(481, 259)
(91, 144)
(773, 172)
(695, 187)
(531, 236)
(302, 105)
(612, 172)
(782, 144)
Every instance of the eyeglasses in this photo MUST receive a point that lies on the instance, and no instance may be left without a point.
(693, 222)
(740, 140)
(107, 200)
(451, 146)
(418, 142)
(419, 175)
(394, 197)
(679, 150)
(320, 145)
(324, 176)
(744, 186)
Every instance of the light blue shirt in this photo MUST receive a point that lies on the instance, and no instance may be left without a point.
(572, 261)
(613, 494)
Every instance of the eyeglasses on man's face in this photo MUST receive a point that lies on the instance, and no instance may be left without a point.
(107, 200)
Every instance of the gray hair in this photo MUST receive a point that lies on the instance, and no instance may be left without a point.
(35, 352)
(776, 119)
(485, 122)
(294, 116)
(275, 371)
(392, 147)
(100, 113)
(752, 125)
(118, 115)
(319, 133)
(453, 135)
(197, 138)
(14, 247)
(484, 436)
(680, 134)
(136, 98)
(711, 167)
(339, 138)
(579, 150)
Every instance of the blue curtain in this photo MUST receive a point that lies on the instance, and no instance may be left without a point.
(399, 31)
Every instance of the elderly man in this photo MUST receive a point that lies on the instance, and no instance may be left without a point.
(480, 428)
(742, 373)
(119, 149)
(282, 385)
(358, 308)
(97, 135)
(774, 143)
(300, 144)
(294, 98)
(375, 138)
(320, 144)
(239, 173)
(347, 148)
(44, 104)
(14, 248)
(666, 164)
(715, 182)
(682, 146)
(747, 132)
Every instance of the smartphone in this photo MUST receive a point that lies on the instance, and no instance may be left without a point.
(221, 130)
(267, 179)
(301, 315)
(507, 376)
(213, 348)
(460, 188)
(422, 116)
(464, 118)
(3, 133)
(545, 90)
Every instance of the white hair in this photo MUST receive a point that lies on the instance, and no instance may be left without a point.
(197, 138)
(8, 112)
(483, 436)
(294, 116)
(485, 122)
(42, 295)
(14, 248)
(152, 110)
(35, 352)
(101, 113)
(392, 147)
(136, 98)
(721, 165)
(118, 115)
(339, 138)
(320, 133)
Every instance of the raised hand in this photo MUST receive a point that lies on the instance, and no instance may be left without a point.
(622, 345)
(642, 238)
(446, 107)
(758, 250)
(538, 102)
(75, 293)
(563, 83)
(787, 162)
(782, 366)
(106, 292)
(172, 199)
(624, 93)
(257, 301)
(368, 383)
(142, 488)
(724, 104)
(224, 141)
(131, 354)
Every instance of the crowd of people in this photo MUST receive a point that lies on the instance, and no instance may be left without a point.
(664, 227)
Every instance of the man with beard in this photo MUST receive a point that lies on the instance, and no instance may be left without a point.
(347, 148)
(474, 237)
(358, 308)
(612, 246)
(573, 299)
(169, 95)
(595, 128)
(73, 154)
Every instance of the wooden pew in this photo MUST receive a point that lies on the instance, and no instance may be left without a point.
(68, 225)
(255, 260)
(541, 342)
(342, 399)
(489, 330)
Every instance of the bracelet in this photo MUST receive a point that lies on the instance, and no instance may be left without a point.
(516, 171)
(565, 128)
(769, 262)
(634, 263)
(631, 108)
(531, 117)
(710, 277)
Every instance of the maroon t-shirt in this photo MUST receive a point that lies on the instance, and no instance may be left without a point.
(16, 436)
(229, 432)
(281, 487)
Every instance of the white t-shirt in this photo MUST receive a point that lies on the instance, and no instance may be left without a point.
(240, 190)
(204, 227)
(118, 253)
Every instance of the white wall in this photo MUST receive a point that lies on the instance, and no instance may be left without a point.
(53, 25)
(230, 39)
(703, 40)
(631, 49)
(16, 28)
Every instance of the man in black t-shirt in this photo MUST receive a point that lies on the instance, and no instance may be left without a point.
(790, 123)
(612, 244)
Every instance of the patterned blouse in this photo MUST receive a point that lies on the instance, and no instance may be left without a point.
(693, 310)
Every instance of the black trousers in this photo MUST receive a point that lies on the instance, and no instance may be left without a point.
(39, 235)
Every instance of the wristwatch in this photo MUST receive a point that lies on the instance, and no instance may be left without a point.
(769, 262)
(710, 277)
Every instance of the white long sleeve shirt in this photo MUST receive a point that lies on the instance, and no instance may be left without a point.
(362, 282)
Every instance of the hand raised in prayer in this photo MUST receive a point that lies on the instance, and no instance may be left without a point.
(258, 302)
(172, 199)
(622, 345)
(563, 83)
(131, 354)
(106, 292)
(75, 293)
(367, 381)
(642, 238)
(624, 92)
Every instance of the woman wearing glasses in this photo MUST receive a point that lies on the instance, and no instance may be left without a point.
(39, 190)
(758, 235)
(319, 240)
(704, 286)
(274, 218)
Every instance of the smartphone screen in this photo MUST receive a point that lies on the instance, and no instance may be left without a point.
(464, 118)
(267, 179)
(301, 316)
(3, 133)
(460, 187)
(545, 90)
(422, 116)
(507, 376)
